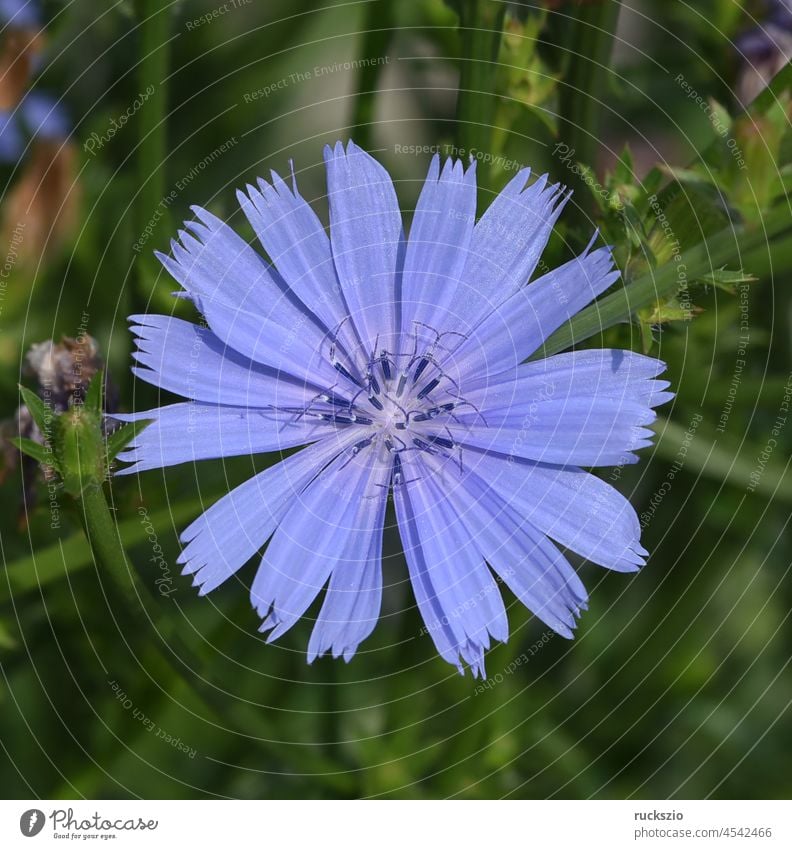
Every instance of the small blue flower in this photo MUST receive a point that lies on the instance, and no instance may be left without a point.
(45, 117)
(41, 116)
(20, 14)
(11, 142)
(400, 363)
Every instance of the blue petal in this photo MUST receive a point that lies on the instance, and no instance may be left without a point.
(245, 304)
(518, 326)
(505, 249)
(296, 242)
(524, 558)
(351, 607)
(604, 372)
(232, 530)
(573, 507)
(437, 248)
(335, 524)
(583, 408)
(581, 430)
(366, 236)
(188, 432)
(191, 361)
(456, 593)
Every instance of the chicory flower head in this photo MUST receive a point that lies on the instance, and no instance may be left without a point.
(400, 363)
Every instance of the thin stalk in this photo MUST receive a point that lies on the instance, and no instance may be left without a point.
(481, 26)
(588, 51)
(154, 29)
(373, 50)
(724, 461)
(105, 541)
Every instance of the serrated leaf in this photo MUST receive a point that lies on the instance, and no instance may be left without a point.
(719, 117)
(35, 450)
(688, 175)
(647, 337)
(727, 280)
(624, 170)
(42, 413)
(665, 311)
(119, 439)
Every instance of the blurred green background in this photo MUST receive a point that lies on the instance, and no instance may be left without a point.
(678, 683)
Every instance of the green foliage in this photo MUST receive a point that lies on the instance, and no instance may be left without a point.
(74, 444)
(678, 682)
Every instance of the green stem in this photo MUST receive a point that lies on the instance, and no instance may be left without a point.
(105, 541)
(71, 554)
(152, 138)
(588, 50)
(374, 47)
(481, 25)
(723, 460)
(727, 246)
(102, 534)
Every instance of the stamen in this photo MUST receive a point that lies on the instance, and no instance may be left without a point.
(345, 372)
(428, 388)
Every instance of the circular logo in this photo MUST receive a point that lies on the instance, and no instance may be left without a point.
(31, 822)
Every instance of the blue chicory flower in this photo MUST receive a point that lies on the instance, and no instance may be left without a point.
(400, 363)
(42, 117)
(11, 142)
(45, 117)
(20, 14)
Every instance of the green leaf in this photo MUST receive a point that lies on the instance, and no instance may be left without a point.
(781, 83)
(72, 554)
(42, 413)
(95, 393)
(7, 640)
(35, 450)
(120, 438)
(727, 280)
(624, 171)
(724, 460)
(724, 247)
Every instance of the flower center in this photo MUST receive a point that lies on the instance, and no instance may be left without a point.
(398, 402)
